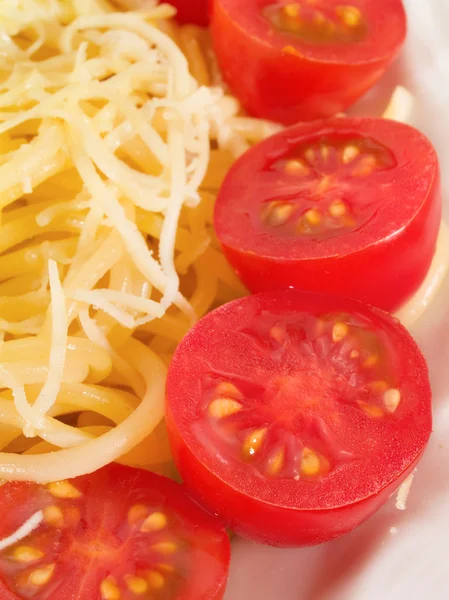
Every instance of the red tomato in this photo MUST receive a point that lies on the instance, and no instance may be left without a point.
(119, 533)
(348, 206)
(295, 416)
(291, 61)
(192, 11)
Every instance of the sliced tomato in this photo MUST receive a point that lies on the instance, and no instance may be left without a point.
(306, 59)
(118, 534)
(348, 206)
(192, 11)
(295, 416)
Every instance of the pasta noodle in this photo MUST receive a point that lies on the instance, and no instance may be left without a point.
(115, 135)
(113, 142)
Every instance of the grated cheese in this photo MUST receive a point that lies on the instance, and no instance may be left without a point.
(24, 530)
(404, 491)
(127, 38)
(106, 298)
(58, 353)
(401, 105)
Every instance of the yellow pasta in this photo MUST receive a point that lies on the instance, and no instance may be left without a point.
(115, 136)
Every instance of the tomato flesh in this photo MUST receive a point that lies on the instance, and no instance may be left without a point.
(348, 206)
(295, 415)
(118, 534)
(290, 61)
(192, 11)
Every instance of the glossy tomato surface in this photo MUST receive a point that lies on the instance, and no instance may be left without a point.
(192, 11)
(117, 534)
(291, 61)
(347, 206)
(295, 416)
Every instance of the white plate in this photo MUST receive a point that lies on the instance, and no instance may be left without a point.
(410, 562)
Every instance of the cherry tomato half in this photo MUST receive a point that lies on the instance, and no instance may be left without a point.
(348, 206)
(295, 416)
(117, 534)
(305, 59)
(192, 11)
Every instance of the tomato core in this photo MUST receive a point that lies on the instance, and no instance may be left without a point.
(319, 199)
(277, 420)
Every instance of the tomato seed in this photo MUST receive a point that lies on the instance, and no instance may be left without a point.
(392, 397)
(166, 567)
(53, 516)
(350, 153)
(63, 490)
(310, 463)
(319, 18)
(365, 167)
(378, 386)
(137, 585)
(371, 410)
(26, 554)
(275, 463)
(325, 151)
(291, 10)
(295, 167)
(310, 154)
(137, 513)
(350, 15)
(156, 580)
(223, 407)
(339, 331)
(165, 547)
(313, 216)
(253, 443)
(155, 522)
(109, 590)
(337, 209)
(40, 577)
(371, 360)
(278, 213)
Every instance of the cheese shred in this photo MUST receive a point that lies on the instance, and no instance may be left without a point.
(111, 153)
(24, 530)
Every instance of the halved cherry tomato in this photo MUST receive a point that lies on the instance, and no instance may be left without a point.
(117, 534)
(348, 206)
(192, 11)
(295, 416)
(304, 59)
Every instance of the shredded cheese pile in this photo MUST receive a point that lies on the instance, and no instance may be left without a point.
(113, 142)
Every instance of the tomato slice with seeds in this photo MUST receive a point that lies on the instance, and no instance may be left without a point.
(117, 534)
(347, 206)
(304, 59)
(296, 415)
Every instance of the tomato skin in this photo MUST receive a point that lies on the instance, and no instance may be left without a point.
(274, 84)
(192, 11)
(102, 525)
(269, 524)
(235, 495)
(383, 272)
